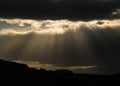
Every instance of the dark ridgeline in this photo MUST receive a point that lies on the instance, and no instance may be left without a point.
(16, 74)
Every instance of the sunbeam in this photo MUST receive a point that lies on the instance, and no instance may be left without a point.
(63, 43)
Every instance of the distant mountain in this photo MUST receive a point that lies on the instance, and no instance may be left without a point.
(16, 74)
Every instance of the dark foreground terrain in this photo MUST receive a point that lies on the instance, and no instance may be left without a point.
(16, 74)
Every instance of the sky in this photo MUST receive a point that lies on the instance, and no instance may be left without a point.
(79, 35)
(59, 9)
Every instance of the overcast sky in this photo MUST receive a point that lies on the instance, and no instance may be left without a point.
(59, 9)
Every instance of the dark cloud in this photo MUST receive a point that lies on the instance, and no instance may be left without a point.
(65, 9)
(100, 23)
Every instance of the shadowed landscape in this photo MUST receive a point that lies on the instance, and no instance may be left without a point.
(21, 75)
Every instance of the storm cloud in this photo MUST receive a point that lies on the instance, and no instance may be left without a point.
(59, 9)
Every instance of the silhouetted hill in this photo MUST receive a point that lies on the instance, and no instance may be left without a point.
(16, 74)
(12, 66)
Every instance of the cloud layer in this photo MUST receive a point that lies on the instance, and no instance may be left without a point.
(59, 9)
(25, 26)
